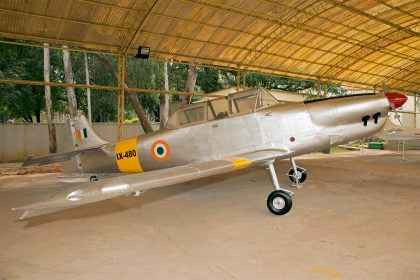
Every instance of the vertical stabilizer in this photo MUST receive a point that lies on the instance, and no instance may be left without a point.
(83, 135)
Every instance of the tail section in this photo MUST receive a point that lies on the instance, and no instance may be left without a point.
(83, 134)
(83, 138)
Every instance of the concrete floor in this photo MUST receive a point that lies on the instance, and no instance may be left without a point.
(357, 217)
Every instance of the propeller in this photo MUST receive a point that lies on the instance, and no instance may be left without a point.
(396, 100)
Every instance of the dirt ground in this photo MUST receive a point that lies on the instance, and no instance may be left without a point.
(357, 217)
(17, 169)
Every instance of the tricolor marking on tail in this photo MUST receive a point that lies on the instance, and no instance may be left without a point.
(82, 133)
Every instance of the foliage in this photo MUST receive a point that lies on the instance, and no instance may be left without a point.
(208, 80)
(148, 75)
(21, 101)
(130, 121)
(26, 102)
(272, 82)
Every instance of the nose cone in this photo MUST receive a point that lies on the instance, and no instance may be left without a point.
(396, 98)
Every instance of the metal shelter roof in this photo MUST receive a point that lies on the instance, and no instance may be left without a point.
(357, 42)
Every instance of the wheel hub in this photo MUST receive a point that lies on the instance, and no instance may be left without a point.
(279, 203)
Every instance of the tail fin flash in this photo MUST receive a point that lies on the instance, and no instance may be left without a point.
(83, 135)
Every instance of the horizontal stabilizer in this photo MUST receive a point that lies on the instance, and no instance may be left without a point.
(43, 160)
(54, 158)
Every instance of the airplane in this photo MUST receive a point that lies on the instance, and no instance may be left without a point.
(245, 129)
(390, 131)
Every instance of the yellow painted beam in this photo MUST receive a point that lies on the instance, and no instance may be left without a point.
(54, 84)
(174, 92)
(54, 47)
(42, 39)
(139, 90)
(277, 72)
(65, 20)
(120, 100)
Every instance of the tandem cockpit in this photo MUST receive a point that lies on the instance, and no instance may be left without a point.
(233, 104)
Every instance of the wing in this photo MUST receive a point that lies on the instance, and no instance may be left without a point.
(394, 132)
(128, 184)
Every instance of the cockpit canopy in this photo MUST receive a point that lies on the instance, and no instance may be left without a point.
(243, 102)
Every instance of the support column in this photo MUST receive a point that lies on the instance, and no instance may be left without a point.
(244, 80)
(238, 80)
(120, 98)
(319, 88)
(415, 110)
(325, 89)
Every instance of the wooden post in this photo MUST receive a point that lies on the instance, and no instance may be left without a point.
(120, 97)
(238, 80)
(319, 88)
(415, 110)
(244, 81)
(325, 89)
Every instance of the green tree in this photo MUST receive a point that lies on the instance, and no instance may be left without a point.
(21, 101)
(209, 80)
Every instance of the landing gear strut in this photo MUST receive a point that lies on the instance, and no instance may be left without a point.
(279, 202)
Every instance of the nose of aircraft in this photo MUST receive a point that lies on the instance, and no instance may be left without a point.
(396, 98)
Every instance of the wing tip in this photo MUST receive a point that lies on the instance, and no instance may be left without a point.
(25, 214)
(27, 161)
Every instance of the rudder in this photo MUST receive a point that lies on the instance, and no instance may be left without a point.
(83, 135)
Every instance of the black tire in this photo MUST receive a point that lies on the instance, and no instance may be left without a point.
(301, 171)
(93, 178)
(279, 202)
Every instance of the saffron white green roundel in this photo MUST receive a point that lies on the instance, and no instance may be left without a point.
(160, 150)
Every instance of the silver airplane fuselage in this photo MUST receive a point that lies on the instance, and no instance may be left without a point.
(297, 128)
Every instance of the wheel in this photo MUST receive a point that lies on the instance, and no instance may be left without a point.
(301, 174)
(94, 178)
(279, 202)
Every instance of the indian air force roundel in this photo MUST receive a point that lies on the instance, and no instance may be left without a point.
(160, 150)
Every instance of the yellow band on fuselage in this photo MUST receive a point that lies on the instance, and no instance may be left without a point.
(127, 156)
(239, 162)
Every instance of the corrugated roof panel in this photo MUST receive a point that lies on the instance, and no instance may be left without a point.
(351, 38)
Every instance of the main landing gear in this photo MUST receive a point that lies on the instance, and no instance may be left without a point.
(279, 202)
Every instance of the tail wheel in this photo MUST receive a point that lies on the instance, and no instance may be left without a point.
(93, 178)
(300, 176)
(279, 202)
